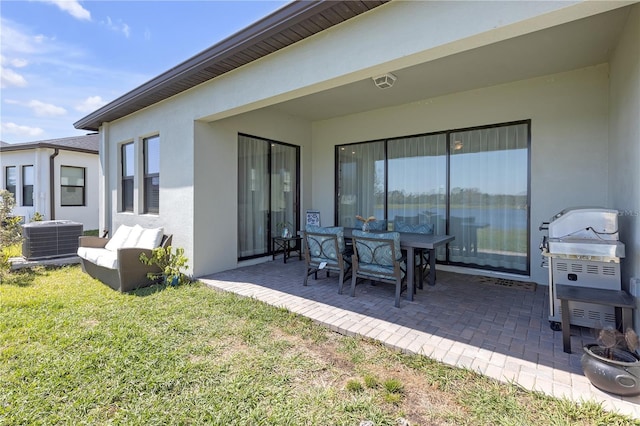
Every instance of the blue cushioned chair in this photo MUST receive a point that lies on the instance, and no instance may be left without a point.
(421, 256)
(325, 249)
(378, 225)
(378, 257)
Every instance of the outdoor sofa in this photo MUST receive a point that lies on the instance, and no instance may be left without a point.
(116, 261)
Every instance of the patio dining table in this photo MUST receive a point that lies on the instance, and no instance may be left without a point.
(410, 242)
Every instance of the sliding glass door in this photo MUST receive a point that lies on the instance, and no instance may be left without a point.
(361, 189)
(268, 193)
(489, 197)
(469, 183)
(418, 180)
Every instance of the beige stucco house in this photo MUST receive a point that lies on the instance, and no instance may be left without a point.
(494, 113)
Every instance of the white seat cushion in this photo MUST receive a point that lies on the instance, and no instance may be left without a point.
(119, 238)
(99, 256)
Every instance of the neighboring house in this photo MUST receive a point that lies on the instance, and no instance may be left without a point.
(496, 115)
(57, 178)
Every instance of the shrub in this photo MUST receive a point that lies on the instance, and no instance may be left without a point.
(171, 264)
(10, 230)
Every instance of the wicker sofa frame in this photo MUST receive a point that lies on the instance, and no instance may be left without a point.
(131, 274)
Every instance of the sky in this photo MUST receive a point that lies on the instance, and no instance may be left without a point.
(63, 59)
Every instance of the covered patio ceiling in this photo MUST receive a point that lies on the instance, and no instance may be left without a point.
(586, 42)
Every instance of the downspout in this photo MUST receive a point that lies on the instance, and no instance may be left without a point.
(105, 209)
(52, 187)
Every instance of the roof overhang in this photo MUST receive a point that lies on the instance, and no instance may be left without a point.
(28, 146)
(288, 25)
(560, 48)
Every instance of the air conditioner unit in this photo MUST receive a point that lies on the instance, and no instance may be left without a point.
(50, 239)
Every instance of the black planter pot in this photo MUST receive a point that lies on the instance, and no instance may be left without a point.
(620, 375)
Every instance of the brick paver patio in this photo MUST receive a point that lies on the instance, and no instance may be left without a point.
(502, 332)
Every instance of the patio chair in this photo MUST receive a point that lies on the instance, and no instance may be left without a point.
(378, 257)
(325, 249)
(378, 225)
(421, 255)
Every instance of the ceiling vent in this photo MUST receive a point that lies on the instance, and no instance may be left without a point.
(384, 81)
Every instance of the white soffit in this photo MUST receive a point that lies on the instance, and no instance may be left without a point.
(578, 44)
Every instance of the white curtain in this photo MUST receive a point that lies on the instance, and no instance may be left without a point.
(489, 196)
(361, 180)
(283, 188)
(418, 180)
(253, 196)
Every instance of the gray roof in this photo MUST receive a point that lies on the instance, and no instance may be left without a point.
(288, 25)
(86, 143)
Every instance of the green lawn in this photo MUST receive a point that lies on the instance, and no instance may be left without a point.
(73, 351)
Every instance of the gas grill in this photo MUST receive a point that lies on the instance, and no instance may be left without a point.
(582, 248)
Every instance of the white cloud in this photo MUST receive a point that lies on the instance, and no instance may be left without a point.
(21, 48)
(119, 26)
(17, 41)
(42, 109)
(39, 38)
(90, 104)
(72, 7)
(15, 129)
(17, 62)
(10, 78)
(64, 71)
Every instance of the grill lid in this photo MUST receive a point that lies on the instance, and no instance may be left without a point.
(586, 232)
(592, 223)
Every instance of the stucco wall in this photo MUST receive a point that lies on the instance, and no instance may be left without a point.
(569, 132)
(624, 133)
(175, 128)
(216, 195)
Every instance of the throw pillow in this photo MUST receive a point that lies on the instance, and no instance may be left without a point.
(119, 238)
(150, 238)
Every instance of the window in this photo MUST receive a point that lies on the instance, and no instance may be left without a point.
(128, 168)
(469, 183)
(152, 175)
(72, 186)
(27, 185)
(10, 180)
